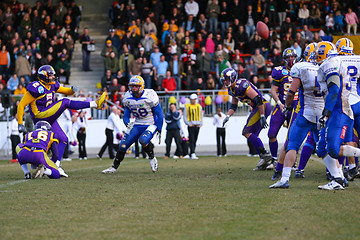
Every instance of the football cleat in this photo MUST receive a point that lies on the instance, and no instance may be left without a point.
(346, 183)
(329, 176)
(276, 175)
(299, 173)
(98, 157)
(62, 172)
(353, 173)
(346, 172)
(280, 184)
(265, 158)
(28, 175)
(261, 168)
(153, 164)
(100, 100)
(39, 171)
(272, 165)
(109, 170)
(333, 185)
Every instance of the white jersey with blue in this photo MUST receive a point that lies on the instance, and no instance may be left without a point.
(332, 66)
(310, 96)
(141, 107)
(350, 69)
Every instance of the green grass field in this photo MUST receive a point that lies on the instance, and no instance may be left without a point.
(209, 198)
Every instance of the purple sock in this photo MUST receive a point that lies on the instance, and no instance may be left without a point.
(274, 148)
(78, 105)
(306, 152)
(279, 166)
(61, 149)
(341, 160)
(256, 141)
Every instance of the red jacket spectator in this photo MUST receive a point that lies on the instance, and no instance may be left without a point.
(169, 83)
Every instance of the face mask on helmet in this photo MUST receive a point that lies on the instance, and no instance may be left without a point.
(43, 125)
(46, 74)
(289, 56)
(228, 77)
(344, 46)
(136, 85)
(309, 52)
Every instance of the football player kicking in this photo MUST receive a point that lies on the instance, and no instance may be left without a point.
(144, 105)
(304, 76)
(244, 91)
(34, 151)
(40, 96)
(337, 116)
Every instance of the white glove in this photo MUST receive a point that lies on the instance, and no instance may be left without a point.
(75, 88)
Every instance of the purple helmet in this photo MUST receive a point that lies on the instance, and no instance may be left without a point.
(44, 72)
(228, 76)
(43, 125)
(289, 52)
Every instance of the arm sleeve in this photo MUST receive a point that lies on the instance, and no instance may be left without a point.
(331, 98)
(26, 100)
(55, 151)
(126, 117)
(66, 91)
(176, 116)
(160, 117)
(168, 118)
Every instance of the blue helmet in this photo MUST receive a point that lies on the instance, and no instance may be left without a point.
(44, 72)
(289, 52)
(228, 76)
(43, 125)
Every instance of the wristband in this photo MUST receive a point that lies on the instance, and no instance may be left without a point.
(279, 102)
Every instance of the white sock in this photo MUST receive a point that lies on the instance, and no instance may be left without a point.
(352, 165)
(57, 163)
(25, 168)
(286, 174)
(331, 165)
(47, 172)
(93, 104)
(341, 172)
(350, 151)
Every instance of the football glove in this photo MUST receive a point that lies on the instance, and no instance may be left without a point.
(158, 134)
(322, 121)
(286, 111)
(75, 88)
(22, 128)
(263, 122)
(130, 125)
(226, 120)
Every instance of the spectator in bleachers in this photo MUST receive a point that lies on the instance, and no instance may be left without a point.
(114, 87)
(298, 50)
(115, 40)
(147, 26)
(300, 40)
(252, 68)
(339, 22)
(351, 21)
(25, 25)
(75, 13)
(243, 72)
(124, 61)
(22, 68)
(155, 56)
(13, 82)
(160, 71)
(229, 43)
(276, 59)
(132, 13)
(314, 15)
(147, 72)
(191, 8)
(307, 34)
(112, 63)
(284, 28)
(199, 84)
(317, 37)
(20, 90)
(287, 41)
(210, 82)
(169, 83)
(250, 19)
(85, 40)
(303, 15)
(213, 11)
(135, 67)
(329, 23)
(222, 63)
(189, 25)
(106, 80)
(203, 60)
(5, 61)
(224, 17)
(107, 49)
(147, 41)
(63, 68)
(176, 69)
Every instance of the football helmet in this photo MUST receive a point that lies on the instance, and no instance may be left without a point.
(344, 46)
(43, 125)
(44, 73)
(228, 76)
(324, 50)
(309, 52)
(136, 81)
(289, 56)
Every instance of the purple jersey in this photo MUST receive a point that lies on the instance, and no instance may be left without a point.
(282, 79)
(240, 89)
(45, 95)
(39, 139)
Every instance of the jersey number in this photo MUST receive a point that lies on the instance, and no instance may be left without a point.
(141, 112)
(317, 90)
(42, 135)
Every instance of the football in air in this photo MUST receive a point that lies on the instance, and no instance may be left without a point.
(262, 29)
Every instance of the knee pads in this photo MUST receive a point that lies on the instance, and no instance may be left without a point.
(146, 137)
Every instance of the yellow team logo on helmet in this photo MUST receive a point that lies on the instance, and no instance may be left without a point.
(309, 52)
(137, 81)
(324, 50)
(344, 46)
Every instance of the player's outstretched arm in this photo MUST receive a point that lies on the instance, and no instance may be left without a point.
(65, 90)
(26, 100)
(160, 117)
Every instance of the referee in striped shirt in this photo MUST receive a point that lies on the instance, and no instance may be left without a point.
(193, 117)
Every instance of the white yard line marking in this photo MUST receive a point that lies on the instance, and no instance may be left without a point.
(12, 183)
